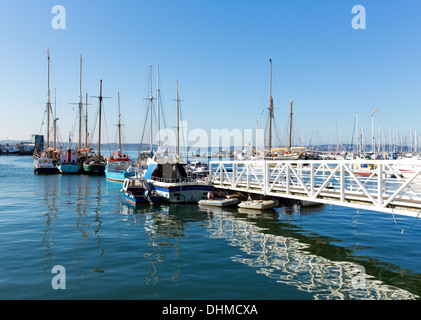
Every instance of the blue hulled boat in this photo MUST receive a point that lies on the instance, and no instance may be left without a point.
(137, 191)
(119, 168)
(170, 180)
(69, 161)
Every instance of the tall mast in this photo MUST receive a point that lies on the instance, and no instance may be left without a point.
(86, 121)
(178, 126)
(356, 132)
(150, 104)
(80, 106)
(157, 103)
(48, 101)
(270, 107)
(99, 123)
(55, 119)
(373, 145)
(290, 127)
(119, 124)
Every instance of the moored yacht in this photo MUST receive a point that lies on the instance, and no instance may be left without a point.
(45, 162)
(170, 180)
(168, 175)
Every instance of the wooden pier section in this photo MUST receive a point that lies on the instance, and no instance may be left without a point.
(392, 186)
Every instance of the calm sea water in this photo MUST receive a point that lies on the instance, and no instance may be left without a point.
(113, 251)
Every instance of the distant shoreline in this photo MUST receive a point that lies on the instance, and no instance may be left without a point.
(346, 147)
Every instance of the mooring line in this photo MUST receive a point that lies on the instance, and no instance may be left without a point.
(397, 224)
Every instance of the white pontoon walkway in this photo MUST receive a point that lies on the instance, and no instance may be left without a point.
(392, 186)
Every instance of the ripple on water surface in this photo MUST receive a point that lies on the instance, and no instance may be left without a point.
(114, 251)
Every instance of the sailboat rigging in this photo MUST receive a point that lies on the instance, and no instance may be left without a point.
(70, 160)
(285, 153)
(46, 162)
(119, 166)
(271, 116)
(96, 163)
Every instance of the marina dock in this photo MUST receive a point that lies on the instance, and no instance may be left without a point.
(392, 186)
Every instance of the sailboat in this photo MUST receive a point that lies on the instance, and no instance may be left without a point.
(46, 161)
(82, 153)
(69, 158)
(96, 163)
(119, 166)
(168, 176)
(282, 153)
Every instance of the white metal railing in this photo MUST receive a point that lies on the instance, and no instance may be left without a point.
(382, 185)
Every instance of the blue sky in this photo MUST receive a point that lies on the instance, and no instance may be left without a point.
(219, 52)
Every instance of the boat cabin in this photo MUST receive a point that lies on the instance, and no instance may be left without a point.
(135, 184)
(68, 156)
(44, 162)
(169, 172)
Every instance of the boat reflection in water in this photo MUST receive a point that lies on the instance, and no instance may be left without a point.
(164, 232)
(267, 245)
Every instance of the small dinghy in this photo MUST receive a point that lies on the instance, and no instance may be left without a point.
(137, 190)
(219, 202)
(258, 204)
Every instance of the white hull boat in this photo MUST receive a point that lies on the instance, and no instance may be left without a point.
(170, 180)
